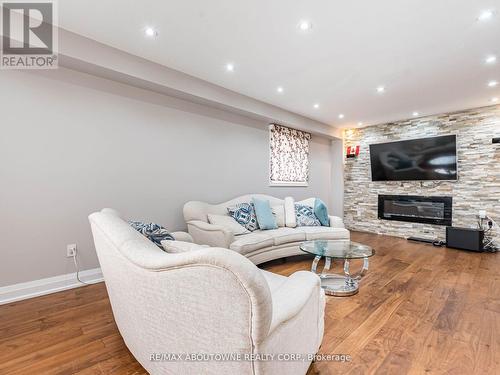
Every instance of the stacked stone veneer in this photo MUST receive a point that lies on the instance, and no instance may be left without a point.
(477, 188)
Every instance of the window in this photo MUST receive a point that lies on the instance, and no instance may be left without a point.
(289, 156)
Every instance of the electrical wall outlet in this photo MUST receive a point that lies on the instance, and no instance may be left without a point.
(482, 214)
(71, 250)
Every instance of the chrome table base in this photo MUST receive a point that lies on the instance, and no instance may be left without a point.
(339, 285)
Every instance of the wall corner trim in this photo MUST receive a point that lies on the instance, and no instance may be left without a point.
(41, 287)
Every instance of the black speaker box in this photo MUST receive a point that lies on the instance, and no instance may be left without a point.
(465, 238)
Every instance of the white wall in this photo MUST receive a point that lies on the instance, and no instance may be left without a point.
(337, 175)
(72, 143)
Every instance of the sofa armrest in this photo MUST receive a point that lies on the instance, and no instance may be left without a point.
(336, 222)
(292, 296)
(182, 236)
(210, 234)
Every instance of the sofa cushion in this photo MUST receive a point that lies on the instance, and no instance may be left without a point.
(264, 214)
(152, 231)
(257, 240)
(321, 212)
(290, 212)
(305, 216)
(286, 235)
(229, 223)
(279, 215)
(324, 233)
(244, 214)
(247, 243)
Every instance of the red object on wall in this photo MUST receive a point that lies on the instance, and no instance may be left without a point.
(352, 151)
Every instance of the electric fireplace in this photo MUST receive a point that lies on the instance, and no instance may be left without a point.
(416, 209)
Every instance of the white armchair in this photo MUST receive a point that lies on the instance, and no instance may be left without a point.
(212, 301)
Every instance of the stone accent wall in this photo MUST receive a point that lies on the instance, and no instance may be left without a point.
(477, 188)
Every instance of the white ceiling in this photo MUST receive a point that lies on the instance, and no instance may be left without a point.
(428, 54)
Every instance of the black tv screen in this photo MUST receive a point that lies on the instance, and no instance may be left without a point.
(418, 159)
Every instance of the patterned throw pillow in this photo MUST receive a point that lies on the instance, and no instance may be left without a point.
(305, 216)
(244, 214)
(153, 232)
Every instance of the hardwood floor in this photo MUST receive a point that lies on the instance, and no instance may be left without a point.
(420, 310)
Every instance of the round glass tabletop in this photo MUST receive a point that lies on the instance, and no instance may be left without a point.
(337, 249)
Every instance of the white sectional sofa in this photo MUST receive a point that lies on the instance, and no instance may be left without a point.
(261, 245)
(210, 300)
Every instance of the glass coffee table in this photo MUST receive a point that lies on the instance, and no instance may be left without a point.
(338, 285)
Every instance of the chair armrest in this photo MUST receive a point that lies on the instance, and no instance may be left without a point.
(210, 234)
(291, 297)
(336, 222)
(182, 236)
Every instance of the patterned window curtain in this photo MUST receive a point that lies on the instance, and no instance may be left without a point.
(289, 156)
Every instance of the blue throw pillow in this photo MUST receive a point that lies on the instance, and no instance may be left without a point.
(264, 214)
(244, 214)
(153, 232)
(305, 216)
(321, 212)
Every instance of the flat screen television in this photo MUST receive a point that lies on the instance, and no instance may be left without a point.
(432, 158)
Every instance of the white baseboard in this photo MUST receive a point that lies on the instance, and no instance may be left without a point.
(36, 288)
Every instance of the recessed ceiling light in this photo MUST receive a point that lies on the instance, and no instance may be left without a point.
(341, 116)
(230, 67)
(316, 106)
(150, 32)
(485, 15)
(360, 123)
(305, 25)
(494, 100)
(279, 89)
(492, 83)
(491, 59)
(415, 114)
(381, 89)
